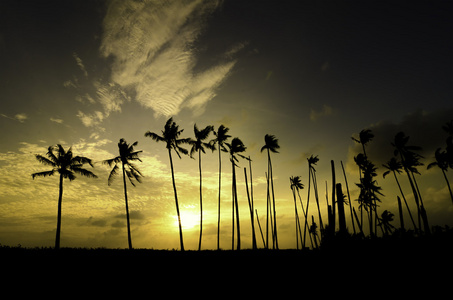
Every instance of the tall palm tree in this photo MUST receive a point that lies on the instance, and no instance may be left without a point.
(67, 165)
(126, 157)
(442, 163)
(271, 145)
(296, 185)
(235, 147)
(170, 135)
(198, 146)
(221, 138)
(394, 166)
(409, 161)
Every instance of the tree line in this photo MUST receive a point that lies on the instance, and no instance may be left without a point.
(406, 158)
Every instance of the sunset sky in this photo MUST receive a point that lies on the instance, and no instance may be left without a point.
(312, 73)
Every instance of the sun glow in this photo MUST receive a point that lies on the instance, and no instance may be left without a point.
(188, 220)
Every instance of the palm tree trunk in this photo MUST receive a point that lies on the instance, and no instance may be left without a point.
(235, 195)
(181, 241)
(273, 200)
(218, 211)
(400, 211)
(405, 202)
(259, 225)
(308, 202)
(349, 196)
(267, 209)
(129, 239)
(448, 184)
(201, 200)
(60, 199)
(251, 211)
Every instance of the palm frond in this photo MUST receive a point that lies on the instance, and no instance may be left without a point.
(43, 174)
(154, 136)
(82, 160)
(112, 161)
(45, 161)
(83, 172)
(112, 174)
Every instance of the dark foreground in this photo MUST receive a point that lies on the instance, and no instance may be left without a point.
(422, 262)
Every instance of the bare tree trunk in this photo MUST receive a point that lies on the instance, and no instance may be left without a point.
(181, 241)
(60, 199)
(129, 238)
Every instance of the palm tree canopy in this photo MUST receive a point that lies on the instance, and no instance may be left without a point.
(441, 160)
(296, 182)
(221, 137)
(271, 143)
(170, 136)
(127, 155)
(365, 136)
(448, 127)
(393, 165)
(64, 163)
(236, 146)
(313, 160)
(200, 136)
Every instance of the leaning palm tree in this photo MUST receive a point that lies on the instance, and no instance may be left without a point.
(271, 145)
(235, 147)
(198, 146)
(221, 137)
(67, 165)
(170, 135)
(442, 163)
(394, 166)
(409, 161)
(127, 155)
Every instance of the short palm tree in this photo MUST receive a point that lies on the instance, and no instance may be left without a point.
(67, 165)
(271, 145)
(198, 146)
(235, 147)
(125, 158)
(221, 138)
(442, 163)
(170, 135)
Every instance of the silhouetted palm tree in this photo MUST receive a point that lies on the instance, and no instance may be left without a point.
(127, 155)
(170, 135)
(385, 220)
(409, 161)
(365, 136)
(64, 163)
(296, 184)
(271, 145)
(221, 138)
(198, 146)
(394, 166)
(442, 163)
(235, 147)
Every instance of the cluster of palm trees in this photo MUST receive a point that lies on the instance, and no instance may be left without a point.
(405, 158)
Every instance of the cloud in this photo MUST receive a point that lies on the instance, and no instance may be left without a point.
(80, 64)
(59, 121)
(324, 112)
(423, 128)
(153, 53)
(18, 117)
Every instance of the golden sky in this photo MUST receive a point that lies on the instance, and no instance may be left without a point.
(85, 74)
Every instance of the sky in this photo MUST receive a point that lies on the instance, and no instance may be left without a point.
(84, 74)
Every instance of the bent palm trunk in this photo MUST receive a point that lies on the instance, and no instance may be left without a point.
(176, 201)
(129, 238)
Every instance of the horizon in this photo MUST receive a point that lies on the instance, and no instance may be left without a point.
(312, 74)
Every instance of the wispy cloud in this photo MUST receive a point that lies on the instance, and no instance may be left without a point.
(18, 117)
(80, 64)
(153, 53)
(56, 120)
(324, 112)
